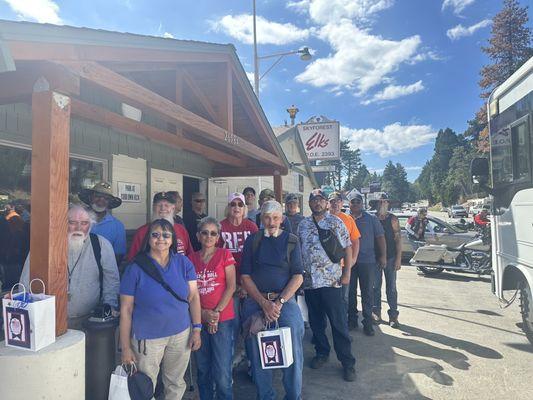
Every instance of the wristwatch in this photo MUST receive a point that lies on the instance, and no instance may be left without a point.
(281, 300)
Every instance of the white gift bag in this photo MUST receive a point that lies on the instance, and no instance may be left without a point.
(118, 386)
(275, 347)
(29, 318)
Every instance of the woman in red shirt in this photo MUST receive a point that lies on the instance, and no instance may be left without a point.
(215, 270)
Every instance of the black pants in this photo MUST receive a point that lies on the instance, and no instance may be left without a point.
(365, 273)
(328, 302)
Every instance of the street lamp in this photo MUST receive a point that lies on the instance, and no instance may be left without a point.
(305, 55)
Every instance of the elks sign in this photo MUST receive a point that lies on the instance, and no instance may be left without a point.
(321, 140)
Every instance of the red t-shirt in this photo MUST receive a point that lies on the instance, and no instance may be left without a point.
(211, 280)
(183, 242)
(232, 238)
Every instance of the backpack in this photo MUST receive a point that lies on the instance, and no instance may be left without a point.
(292, 242)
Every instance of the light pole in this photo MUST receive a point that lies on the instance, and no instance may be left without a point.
(305, 55)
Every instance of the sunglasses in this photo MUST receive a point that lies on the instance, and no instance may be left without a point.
(210, 233)
(157, 235)
(199, 200)
(239, 204)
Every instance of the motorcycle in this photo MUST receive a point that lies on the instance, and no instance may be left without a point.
(471, 257)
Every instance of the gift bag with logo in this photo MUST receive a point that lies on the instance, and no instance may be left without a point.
(275, 347)
(29, 318)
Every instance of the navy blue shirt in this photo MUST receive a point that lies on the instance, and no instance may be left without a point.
(272, 271)
(156, 313)
(370, 228)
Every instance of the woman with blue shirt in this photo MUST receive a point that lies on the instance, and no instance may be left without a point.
(155, 327)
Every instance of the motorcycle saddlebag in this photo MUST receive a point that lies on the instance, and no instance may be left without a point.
(431, 254)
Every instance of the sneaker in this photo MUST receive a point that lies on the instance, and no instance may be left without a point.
(318, 362)
(376, 318)
(348, 374)
(393, 322)
(368, 330)
(353, 324)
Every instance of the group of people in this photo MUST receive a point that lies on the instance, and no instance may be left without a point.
(202, 285)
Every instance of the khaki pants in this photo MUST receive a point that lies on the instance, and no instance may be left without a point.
(174, 351)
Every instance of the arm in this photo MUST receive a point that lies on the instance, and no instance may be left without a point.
(347, 270)
(382, 246)
(211, 317)
(398, 241)
(355, 251)
(196, 311)
(126, 310)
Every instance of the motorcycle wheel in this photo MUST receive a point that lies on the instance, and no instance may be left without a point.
(428, 271)
(526, 309)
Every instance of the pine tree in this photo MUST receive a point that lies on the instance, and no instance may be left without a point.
(509, 46)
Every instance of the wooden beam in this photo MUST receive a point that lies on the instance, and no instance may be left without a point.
(202, 98)
(108, 118)
(249, 171)
(278, 187)
(49, 200)
(145, 99)
(179, 97)
(227, 110)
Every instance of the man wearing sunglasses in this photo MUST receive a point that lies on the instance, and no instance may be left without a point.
(164, 207)
(192, 219)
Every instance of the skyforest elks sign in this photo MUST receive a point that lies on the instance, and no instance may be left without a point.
(321, 140)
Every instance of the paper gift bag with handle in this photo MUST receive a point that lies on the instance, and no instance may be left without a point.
(275, 347)
(29, 318)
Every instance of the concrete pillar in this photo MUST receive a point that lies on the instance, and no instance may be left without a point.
(56, 372)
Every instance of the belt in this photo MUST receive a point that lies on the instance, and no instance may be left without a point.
(272, 296)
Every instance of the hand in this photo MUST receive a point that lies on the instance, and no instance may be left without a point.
(212, 328)
(271, 310)
(127, 356)
(382, 262)
(210, 316)
(345, 278)
(241, 293)
(195, 341)
(398, 265)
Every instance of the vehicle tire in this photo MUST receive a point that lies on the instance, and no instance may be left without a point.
(526, 309)
(429, 271)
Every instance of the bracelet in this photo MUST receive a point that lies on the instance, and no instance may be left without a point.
(197, 326)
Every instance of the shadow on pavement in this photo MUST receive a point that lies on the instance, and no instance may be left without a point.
(457, 277)
(526, 347)
(490, 313)
(470, 347)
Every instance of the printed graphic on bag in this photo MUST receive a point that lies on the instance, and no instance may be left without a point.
(271, 351)
(18, 327)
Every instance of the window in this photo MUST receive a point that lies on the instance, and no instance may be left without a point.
(502, 158)
(511, 156)
(521, 159)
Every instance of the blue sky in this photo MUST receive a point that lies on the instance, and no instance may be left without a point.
(393, 72)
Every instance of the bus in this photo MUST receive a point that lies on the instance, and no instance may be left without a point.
(508, 176)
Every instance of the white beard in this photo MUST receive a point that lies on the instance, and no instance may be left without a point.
(75, 245)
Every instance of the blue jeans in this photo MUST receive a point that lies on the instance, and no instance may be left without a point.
(390, 289)
(213, 360)
(328, 301)
(365, 273)
(292, 377)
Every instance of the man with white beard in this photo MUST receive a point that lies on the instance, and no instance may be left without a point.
(101, 200)
(88, 285)
(164, 207)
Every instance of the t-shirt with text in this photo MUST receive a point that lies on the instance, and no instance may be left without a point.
(232, 238)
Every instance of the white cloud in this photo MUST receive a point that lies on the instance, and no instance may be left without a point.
(392, 92)
(168, 35)
(460, 31)
(457, 5)
(393, 139)
(240, 27)
(361, 60)
(413, 168)
(326, 11)
(44, 11)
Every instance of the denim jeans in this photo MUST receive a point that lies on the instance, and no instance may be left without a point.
(365, 273)
(328, 302)
(213, 360)
(292, 377)
(390, 288)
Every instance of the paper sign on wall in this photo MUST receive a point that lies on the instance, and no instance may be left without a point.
(129, 192)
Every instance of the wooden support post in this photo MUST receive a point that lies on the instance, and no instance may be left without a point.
(49, 197)
(278, 186)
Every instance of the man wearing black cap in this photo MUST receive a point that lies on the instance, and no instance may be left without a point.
(323, 280)
(164, 207)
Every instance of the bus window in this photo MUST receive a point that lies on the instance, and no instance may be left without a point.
(521, 160)
(502, 158)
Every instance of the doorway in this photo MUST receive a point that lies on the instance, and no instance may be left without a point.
(190, 186)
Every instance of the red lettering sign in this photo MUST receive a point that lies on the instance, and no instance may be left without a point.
(315, 141)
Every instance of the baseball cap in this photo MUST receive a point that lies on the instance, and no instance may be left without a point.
(317, 193)
(236, 195)
(248, 189)
(267, 193)
(168, 196)
(291, 197)
(354, 194)
(335, 196)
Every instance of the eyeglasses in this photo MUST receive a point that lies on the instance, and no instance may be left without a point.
(239, 204)
(210, 233)
(157, 235)
(199, 200)
(81, 223)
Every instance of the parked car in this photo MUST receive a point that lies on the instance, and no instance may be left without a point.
(457, 211)
(437, 232)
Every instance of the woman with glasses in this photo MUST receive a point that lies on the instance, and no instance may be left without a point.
(234, 230)
(215, 269)
(157, 326)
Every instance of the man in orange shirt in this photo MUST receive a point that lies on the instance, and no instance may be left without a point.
(335, 208)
